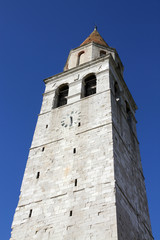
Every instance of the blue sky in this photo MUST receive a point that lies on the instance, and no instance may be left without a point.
(36, 37)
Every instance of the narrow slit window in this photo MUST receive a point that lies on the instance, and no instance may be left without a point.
(38, 175)
(118, 67)
(128, 112)
(117, 92)
(43, 149)
(30, 213)
(79, 124)
(80, 58)
(75, 182)
(47, 126)
(70, 214)
(74, 150)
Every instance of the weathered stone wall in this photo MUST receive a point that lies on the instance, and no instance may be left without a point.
(83, 179)
(64, 154)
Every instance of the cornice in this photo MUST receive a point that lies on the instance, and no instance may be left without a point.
(81, 99)
(76, 69)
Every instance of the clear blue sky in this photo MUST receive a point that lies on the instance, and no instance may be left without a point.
(35, 39)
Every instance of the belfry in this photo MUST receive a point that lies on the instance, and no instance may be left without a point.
(83, 179)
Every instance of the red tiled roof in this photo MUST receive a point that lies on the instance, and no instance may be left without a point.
(96, 38)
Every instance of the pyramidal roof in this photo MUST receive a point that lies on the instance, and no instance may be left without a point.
(96, 38)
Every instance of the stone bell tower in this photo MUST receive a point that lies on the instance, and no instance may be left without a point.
(83, 179)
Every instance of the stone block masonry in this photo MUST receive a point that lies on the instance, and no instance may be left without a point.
(83, 179)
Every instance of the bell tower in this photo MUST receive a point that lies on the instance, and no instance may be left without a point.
(83, 179)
